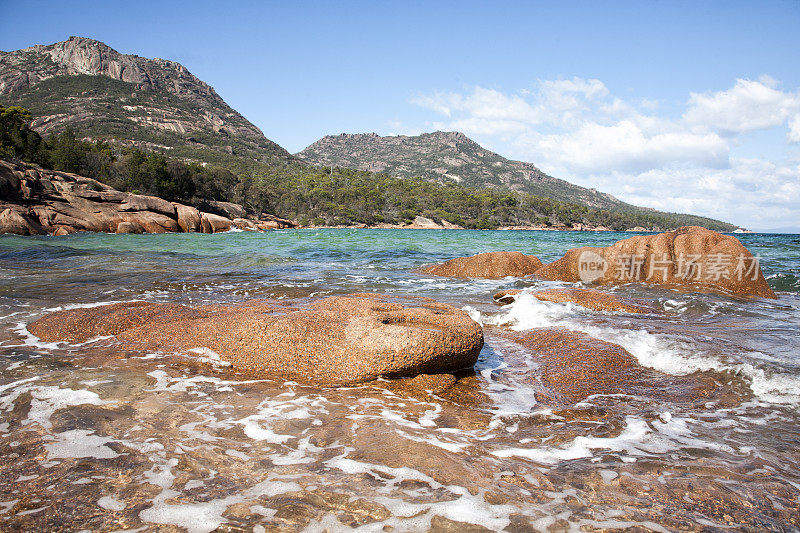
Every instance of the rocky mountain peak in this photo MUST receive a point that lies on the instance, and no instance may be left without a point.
(446, 156)
(451, 136)
(26, 68)
(101, 93)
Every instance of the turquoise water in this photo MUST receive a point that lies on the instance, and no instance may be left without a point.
(153, 440)
(231, 265)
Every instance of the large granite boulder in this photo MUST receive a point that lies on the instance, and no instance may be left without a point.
(689, 258)
(188, 218)
(16, 222)
(489, 265)
(151, 222)
(224, 209)
(137, 202)
(336, 340)
(212, 223)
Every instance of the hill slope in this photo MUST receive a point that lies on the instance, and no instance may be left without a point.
(158, 105)
(447, 156)
(150, 103)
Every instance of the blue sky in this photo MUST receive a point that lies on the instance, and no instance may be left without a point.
(683, 106)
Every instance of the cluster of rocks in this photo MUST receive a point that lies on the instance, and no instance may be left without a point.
(689, 258)
(34, 201)
(574, 365)
(362, 337)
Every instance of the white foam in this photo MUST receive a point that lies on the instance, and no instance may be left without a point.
(45, 400)
(661, 352)
(78, 443)
(111, 503)
(408, 516)
(285, 406)
(208, 355)
(206, 516)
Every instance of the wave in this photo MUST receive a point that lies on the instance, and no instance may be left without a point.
(663, 352)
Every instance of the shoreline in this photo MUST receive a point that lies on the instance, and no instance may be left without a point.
(502, 228)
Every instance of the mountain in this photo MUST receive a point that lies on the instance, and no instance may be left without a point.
(177, 120)
(149, 103)
(447, 156)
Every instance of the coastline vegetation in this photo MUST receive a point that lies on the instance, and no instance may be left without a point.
(312, 195)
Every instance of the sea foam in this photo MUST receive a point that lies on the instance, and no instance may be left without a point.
(662, 352)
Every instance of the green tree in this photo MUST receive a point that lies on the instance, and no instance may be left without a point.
(16, 138)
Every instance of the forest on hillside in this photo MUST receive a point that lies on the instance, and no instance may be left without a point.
(310, 195)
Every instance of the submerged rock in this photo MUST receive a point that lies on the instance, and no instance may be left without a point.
(489, 265)
(689, 258)
(588, 298)
(336, 340)
(575, 366)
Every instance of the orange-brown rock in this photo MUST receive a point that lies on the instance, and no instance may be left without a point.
(245, 224)
(64, 230)
(152, 222)
(588, 298)
(426, 383)
(14, 221)
(268, 224)
(506, 296)
(274, 222)
(34, 201)
(575, 366)
(689, 258)
(138, 202)
(188, 218)
(85, 323)
(342, 339)
(128, 227)
(489, 265)
(214, 223)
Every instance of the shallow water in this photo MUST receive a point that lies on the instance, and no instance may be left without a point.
(94, 438)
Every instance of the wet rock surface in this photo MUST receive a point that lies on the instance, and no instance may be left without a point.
(574, 366)
(336, 340)
(588, 298)
(489, 265)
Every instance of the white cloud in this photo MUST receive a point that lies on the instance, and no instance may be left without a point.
(577, 130)
(747, 106)
(794, 129)
(754, 193)
(487, 104)
(624, 146)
